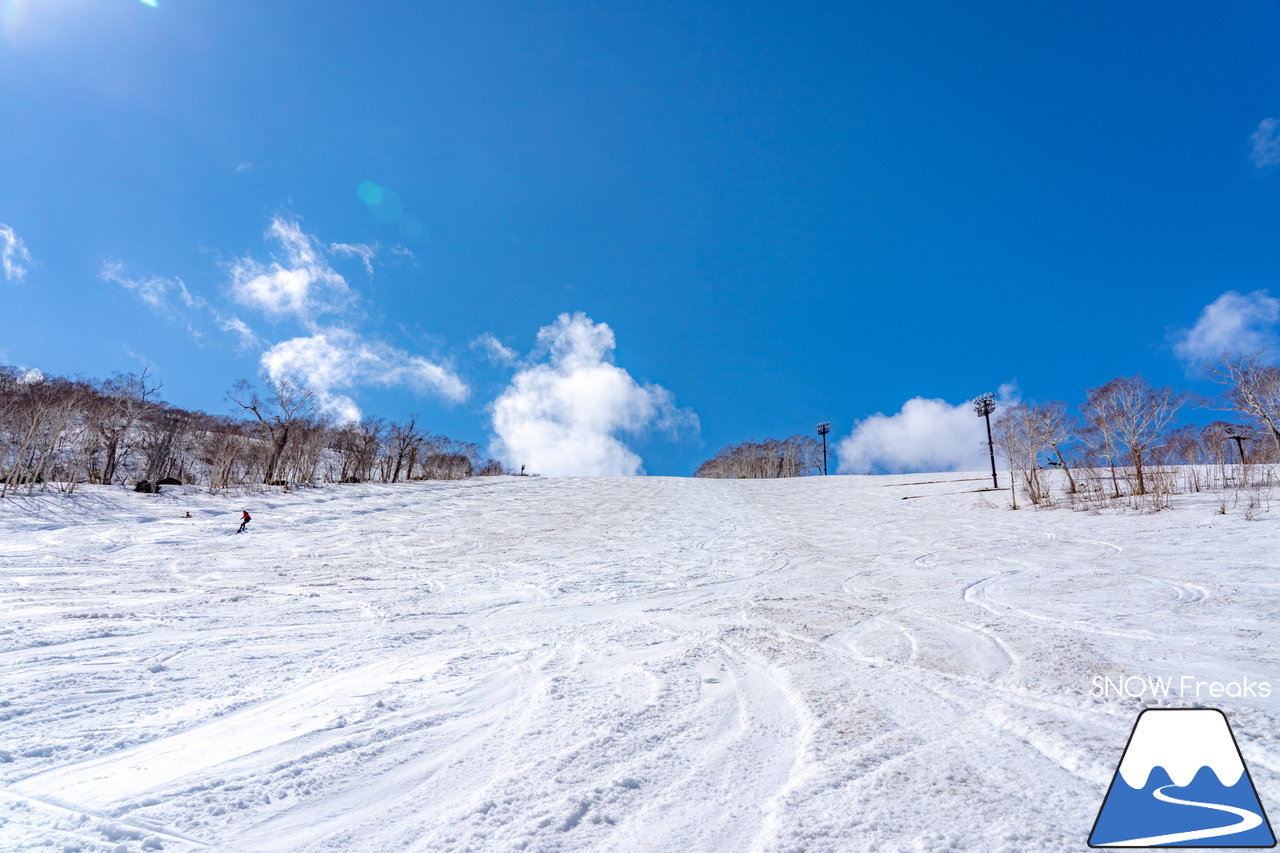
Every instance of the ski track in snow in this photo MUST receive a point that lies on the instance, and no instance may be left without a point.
(647, 664)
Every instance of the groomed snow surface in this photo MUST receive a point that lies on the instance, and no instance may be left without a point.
(645, 664)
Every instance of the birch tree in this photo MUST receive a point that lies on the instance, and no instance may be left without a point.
(1131, 416)
(1019, 436)
(122, 400)
(1252, 389)
(1057, 428)
(286, 403)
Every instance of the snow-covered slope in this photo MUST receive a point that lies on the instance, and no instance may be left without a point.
(604, 664)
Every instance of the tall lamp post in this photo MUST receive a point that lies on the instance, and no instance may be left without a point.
(823, 429)
(983, 407)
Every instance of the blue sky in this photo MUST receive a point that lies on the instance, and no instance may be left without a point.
(784, 213)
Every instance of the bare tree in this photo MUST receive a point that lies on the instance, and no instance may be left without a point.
(1056, 428)
(1019, 435)
(64, 431)
(1252, 389)
(224, 450)
(307, 448)
(122, 399)
(161, 442)
(446, 459)
(403, 440)
(39, 409)
(1130, 414)
(797, 456)
(287, 402)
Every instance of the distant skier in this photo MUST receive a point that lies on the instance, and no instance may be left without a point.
(245, 518)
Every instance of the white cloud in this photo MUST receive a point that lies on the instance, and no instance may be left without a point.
(304, 286)
(497, 353)
(333, 359)
(159, 293)
(1266, 144)
(154, 290)
(1231, 323)
(248, 337)
(300, 285)
(926, 435)
(360, 250)
(561, 417)
(13, 254)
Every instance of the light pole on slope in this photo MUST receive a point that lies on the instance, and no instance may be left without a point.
(983, 406)
(823, 429)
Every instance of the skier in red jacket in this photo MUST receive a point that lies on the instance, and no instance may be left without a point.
(245, 518)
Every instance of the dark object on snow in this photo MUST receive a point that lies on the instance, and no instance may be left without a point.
(245, 518)
(169, 481)
(145, 487)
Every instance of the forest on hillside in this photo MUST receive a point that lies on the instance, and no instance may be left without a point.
(58, 432)
(1122, 442)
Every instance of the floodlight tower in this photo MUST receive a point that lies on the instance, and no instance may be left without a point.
(983, 407)
(823, 429)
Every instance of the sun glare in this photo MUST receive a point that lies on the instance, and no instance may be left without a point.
(152, 3)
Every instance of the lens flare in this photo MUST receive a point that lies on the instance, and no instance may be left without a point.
(384, 203)
(389, 208)
(414, 228)
(369, 192)
(13, 18)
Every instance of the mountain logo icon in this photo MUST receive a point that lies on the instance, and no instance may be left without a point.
(1182, 782)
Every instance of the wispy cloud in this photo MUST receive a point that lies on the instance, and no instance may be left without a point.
(495, 351)
(1232, 323)
(926, 435)
(1266, 144)
(336, 359)
(301, 285)
(168, 297)
(154, 290)
(248, 337)
(562, 416)
(13, 255)
(360, 250)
